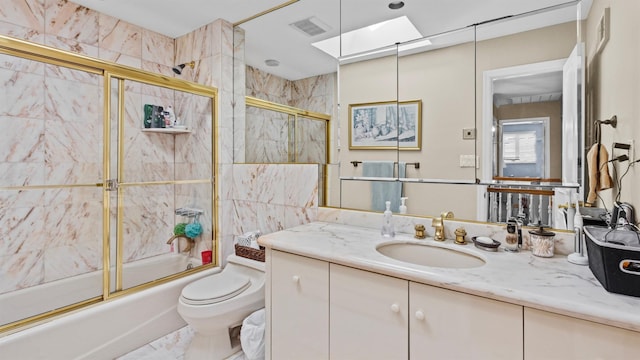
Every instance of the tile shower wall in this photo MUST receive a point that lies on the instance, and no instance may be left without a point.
(62, 122)
(267, 131)
(40, 225)
(211, 48)
(52, 135)
(265, 197)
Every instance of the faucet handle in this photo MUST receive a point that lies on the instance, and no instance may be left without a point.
(460, 234)
(420, 231)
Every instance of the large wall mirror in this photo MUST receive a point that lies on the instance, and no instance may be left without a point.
(435, 113)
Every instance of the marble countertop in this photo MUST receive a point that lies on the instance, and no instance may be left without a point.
(551, 284)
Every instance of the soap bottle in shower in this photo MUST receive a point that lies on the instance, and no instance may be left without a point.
(387, 222)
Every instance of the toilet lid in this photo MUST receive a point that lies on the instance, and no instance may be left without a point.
(215, 288)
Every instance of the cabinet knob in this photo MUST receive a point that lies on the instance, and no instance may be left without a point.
(296, 279)
(395, 308)
(419, 315)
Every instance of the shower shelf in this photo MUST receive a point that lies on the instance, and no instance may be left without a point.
(167, 130)
(189, 212)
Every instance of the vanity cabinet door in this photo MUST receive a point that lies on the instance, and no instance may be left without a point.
(368, 315)
(446, 324)
(551, 336)
(299, 307)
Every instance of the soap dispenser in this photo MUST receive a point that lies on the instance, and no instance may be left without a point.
(403, 205)
(387, 222)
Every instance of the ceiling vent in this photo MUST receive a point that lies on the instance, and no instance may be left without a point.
(311, 26)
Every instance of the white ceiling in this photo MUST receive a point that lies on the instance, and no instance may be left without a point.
(271, 37)
(528, 89)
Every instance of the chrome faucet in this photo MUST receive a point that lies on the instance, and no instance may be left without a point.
(438, 224)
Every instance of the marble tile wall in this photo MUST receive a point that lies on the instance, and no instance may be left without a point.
(212, 49)
(64, 146)
(52, 135)
(272, 197)
(266, 137)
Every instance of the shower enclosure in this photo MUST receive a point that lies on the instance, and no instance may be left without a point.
(90, 196)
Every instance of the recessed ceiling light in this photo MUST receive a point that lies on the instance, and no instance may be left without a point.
(272, 62)
(395, 5)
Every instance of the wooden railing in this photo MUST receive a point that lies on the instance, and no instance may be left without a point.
(529, 203)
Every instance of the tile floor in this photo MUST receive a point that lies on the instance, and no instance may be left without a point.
(168, 347)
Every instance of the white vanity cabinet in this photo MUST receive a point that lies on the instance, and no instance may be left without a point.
(299, 310)
(320, 310)
(447, 324)
(551, 336)
(367, 314)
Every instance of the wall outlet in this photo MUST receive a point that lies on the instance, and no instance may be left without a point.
(469, 134)
(626, 147)
(469, 161)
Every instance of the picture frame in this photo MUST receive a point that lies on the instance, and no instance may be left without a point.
(386, 125)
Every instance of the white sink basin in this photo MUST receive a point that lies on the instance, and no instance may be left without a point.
(428, 255)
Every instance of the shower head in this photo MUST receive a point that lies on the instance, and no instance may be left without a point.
(178, 68)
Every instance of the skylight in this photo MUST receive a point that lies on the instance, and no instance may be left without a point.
(370, 37)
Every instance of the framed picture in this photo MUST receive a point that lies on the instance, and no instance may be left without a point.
(385, 125)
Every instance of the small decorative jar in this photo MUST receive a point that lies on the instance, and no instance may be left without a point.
(542, 242)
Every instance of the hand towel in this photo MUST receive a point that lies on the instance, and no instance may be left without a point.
(599, 178)
(382, 191)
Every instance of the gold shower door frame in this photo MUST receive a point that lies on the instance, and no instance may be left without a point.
(120, 73)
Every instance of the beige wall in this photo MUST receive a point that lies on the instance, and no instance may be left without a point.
(613, 85)
(444, 80)
(550, 109)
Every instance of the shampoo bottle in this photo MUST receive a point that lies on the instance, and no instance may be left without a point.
(403, 205)
(387, 222)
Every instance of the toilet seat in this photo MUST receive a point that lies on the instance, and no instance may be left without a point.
(214, 289)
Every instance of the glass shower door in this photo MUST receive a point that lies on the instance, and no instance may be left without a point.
(165, 183)
(51, 169)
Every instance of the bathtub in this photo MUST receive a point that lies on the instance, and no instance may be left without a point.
(102, 331)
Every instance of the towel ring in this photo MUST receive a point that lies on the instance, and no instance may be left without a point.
(613, 122)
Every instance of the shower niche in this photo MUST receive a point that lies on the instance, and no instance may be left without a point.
(89, 196)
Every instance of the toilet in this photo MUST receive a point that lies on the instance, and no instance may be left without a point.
(216, 305)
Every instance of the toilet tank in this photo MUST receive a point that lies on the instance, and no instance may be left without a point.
(253, 264)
